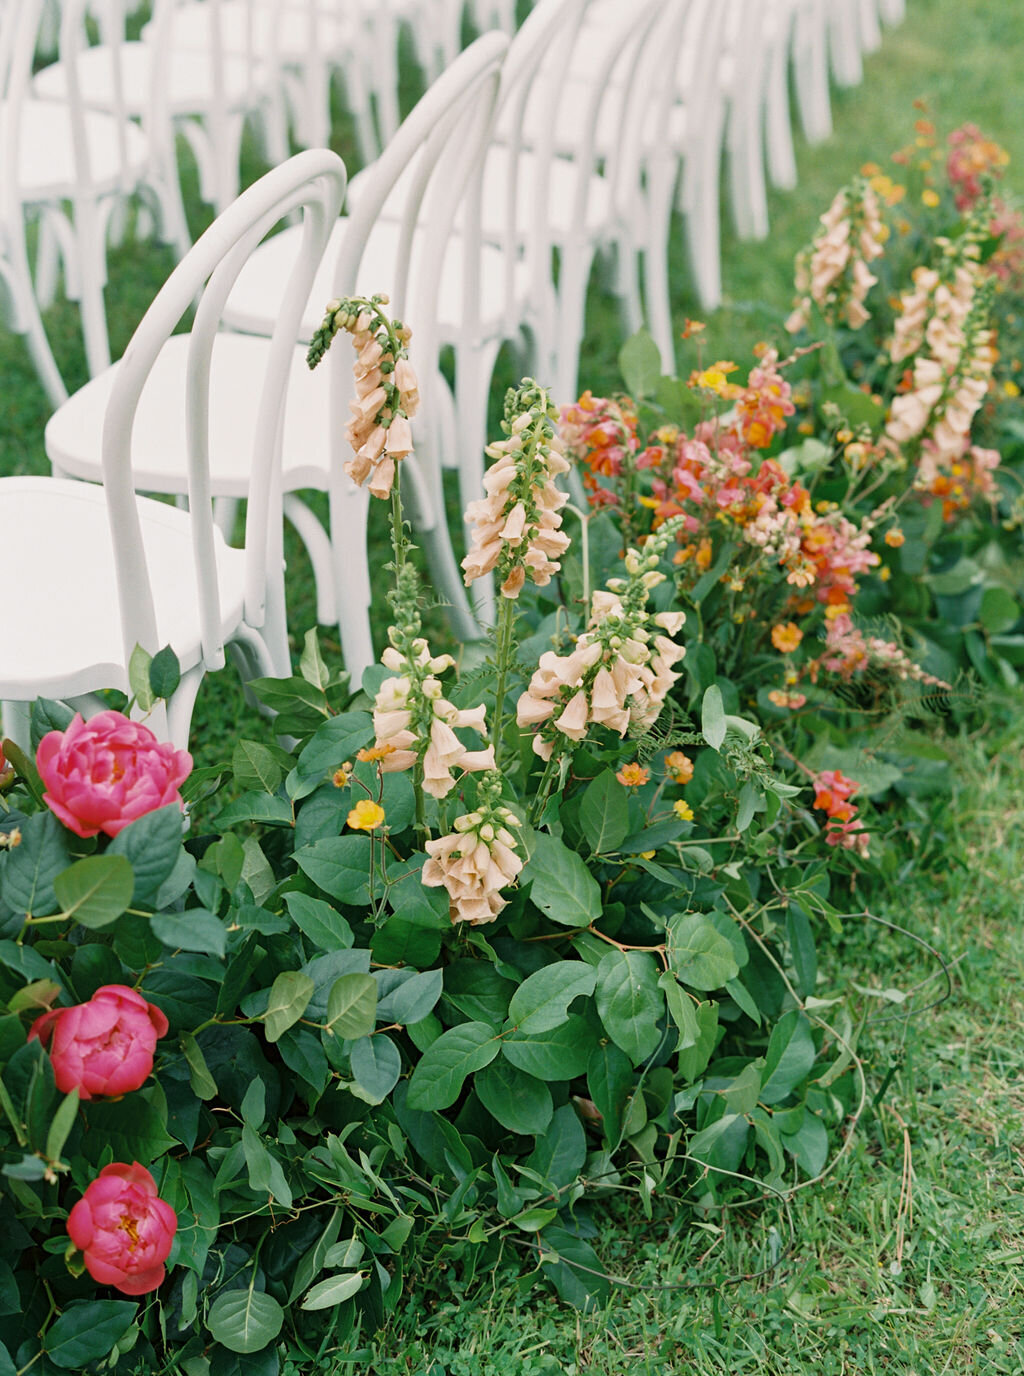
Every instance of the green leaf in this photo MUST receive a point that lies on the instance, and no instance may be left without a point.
(289, 998)
(476, 988)
(542, 1001)
(404, 997)
(629, 1002)
(164, 673)
(48, 715)
(245, 1320)
(138, 678)
(271, 810)
(440, 1073)
(96, 891)
(324, 925)
(517, 1100)
(693, 1059)
(809, 1145)
(712, 717)
(681, 1010)
(802, 949)
(32, 867)
(266, 1176)
(332, 1291)
(560, 1054)
(562, 886)
(255, 767)
(604, 813)
(700, 956)
(340, 865)
(312, 665)
(376, 1065)
(790, 1056)
(254, 1104)
(559, 1155)
(7, 1367)
(152, 845)
(352, 1006)
(334, 743)
(86, 1332)
(203, 1084)
(533, 1220)
(196, 929)
(610, 1079)
(63, 1122)
(1000, 611)
(721, 1143)
(132, 1128)
(640, 364)
(574, 1268)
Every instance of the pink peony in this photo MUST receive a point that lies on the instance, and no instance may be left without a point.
(123, 1229)
(102, 773)
(103, 1047)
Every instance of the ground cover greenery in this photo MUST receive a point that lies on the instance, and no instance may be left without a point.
(857, 1276)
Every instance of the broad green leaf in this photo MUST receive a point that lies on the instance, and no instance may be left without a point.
(562, 886)
(266, 1176)
(560, 1054)
(352, 1006)
(574, 1268)
(542, 1001)
(324, 925)
(95, 891)
(640, 364)
(630, 1002)
(1000, 611)
(721, 1144)
(132, 1128)
(7, 1367)
(559, 1155)
(476, 988)
(610, 1078)
(604, 813)
(312, 665)
(790, 1056)
(254, 1104)
(60, 1128)
(802, 949)
(317, 1257)
(699, 955)
(268, 808)
(138, 678)
(245, 1320)
(712, 717)
(164, 673)
(332, 1291)
(809, 1145)
(376, 1065)
(193, 930)
(255, 767)
(289, 998)
(48, 715)
(31, 868)
(334, 743)
(203, 1084)
(86, 1332)
(693, 1059)
(340, 865)
(533, 1220)
(681, 1010)
(404, 996)
(441, 1071)
(517, 1100)
(152, 845)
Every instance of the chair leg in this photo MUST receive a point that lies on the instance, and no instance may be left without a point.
(16, 723)
(47, 264)
(89, 232)
(704, 232)
(29, 322)
(779, 131)
(318, 546)
(810, 64)
(573, 279)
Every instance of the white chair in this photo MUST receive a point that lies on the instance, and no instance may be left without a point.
(109, 569)
(442, 139)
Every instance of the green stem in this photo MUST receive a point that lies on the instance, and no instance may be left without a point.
(544, 787)
(505, 643)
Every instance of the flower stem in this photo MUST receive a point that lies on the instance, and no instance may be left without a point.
(544, 788)
(505, 645)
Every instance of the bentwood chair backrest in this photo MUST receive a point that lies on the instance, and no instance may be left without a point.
(313, 182)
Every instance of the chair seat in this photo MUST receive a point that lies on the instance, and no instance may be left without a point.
(46, 169)
(74, 432)
(190, 83)
(62, 631)
(255, 297)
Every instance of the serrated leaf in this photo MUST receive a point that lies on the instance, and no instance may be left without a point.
(352, 1006)
(289, 998)
(334, 1290)
(245, 1320)
(629, 1002)
(542, 1001)
(441, 1071)
(712, 717)
(699, 955)
(95, 892)
(562, 886)
(604, 813)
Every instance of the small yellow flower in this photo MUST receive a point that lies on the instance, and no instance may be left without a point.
(366, 816)
(786, 638)
(806, 427)
(1010, 388)
(885, 573)
(679, 767)
(844, 436)
(340, 777)
(683, 810)
(715, 378)
(632, 775)
(894, 538)
(648, 854)
(836, 610)
(374, 752)
(929, 198)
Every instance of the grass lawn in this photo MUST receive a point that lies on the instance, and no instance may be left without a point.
(908, 1258)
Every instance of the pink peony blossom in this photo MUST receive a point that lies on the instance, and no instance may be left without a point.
(123, 1229)
(103, 1047)
(102, 774)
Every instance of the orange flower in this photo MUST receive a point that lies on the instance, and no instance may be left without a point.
(370, 753)
(786, 637)
(632, 775)
(894, 538)
(341, 775)
(679, 767)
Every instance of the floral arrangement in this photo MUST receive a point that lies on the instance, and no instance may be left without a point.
(463, 955)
